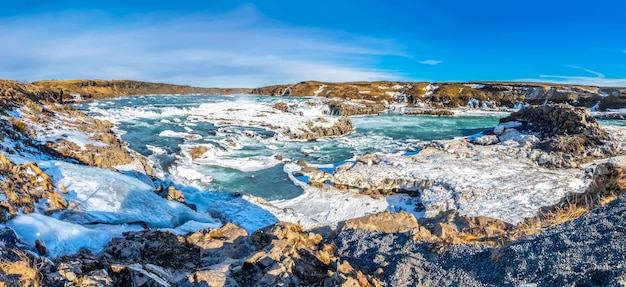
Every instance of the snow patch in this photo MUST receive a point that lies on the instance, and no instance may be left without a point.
(64, 238)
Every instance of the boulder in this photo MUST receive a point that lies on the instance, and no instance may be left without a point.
(383, 222)
(558, 120)
(562, 130)
(136, 276)
(97, 278)
(485, 140)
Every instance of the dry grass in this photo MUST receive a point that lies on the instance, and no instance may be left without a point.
(561, 215)
(26, 268)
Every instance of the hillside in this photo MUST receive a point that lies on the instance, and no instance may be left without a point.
(443, 95)
(501, 94)
(99, 89)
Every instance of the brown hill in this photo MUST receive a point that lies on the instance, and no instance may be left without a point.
(99, 89)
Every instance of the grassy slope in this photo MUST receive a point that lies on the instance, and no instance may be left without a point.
(98, 89)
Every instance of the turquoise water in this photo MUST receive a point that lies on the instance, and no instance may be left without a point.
(142, 120)
(619, 123)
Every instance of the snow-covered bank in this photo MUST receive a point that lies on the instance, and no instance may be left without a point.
(102, 196)
(327, 206)
(499, 182)
(64, 238)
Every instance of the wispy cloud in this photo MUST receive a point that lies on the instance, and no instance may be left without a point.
(598, 79)
(240, 48)
(430, 62)
(597, 74)
(581, 80)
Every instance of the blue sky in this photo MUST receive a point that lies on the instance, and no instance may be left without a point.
(231, 43)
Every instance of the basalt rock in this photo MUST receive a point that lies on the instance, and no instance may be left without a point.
(288, 256)
(557, 120)
(22, 186)
(570, 132)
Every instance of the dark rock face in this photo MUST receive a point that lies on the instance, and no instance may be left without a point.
(562, 128)
(555, 120)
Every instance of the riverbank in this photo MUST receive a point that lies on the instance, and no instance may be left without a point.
(129, 224)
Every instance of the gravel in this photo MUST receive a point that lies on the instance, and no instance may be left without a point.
(589, 251)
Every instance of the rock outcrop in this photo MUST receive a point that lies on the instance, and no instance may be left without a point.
(476, 94)
(23, 185)
(569, 132)
(429, 112)
(320, 128)
(355, 108)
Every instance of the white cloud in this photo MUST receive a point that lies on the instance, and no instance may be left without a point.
(599, 79)
(582, 80)
(240, 48)
(431, 62)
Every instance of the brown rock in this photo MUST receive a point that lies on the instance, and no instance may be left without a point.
(97, 278)
(197, 152)
(383, 222)
(41, 247)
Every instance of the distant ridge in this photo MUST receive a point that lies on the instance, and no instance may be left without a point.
(444, 94)
(455, 94)
(100, 89)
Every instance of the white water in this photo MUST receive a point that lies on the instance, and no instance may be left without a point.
(247, 154)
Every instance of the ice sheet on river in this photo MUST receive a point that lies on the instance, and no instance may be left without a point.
(103, 196)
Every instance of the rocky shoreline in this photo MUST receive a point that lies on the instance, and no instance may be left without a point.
(568, 233)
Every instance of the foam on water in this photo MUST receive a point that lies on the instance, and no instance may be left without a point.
(244, 137)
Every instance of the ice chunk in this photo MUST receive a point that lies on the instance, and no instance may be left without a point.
(64, 238)
(104, 196)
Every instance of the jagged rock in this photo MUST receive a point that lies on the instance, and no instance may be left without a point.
(451, 227)
(341, 127)
(8, 237)
(23, 185)
(97, 278)
(171, 193)
(41, 247)
(155, 247)
(281, 106)
(286, 255)
(197, 152)
(568, 132)
(384, 222)
(216, 276)
(229, 241)
(558, 120)
(136, 276)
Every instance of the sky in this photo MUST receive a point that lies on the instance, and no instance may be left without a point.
(232, 43)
